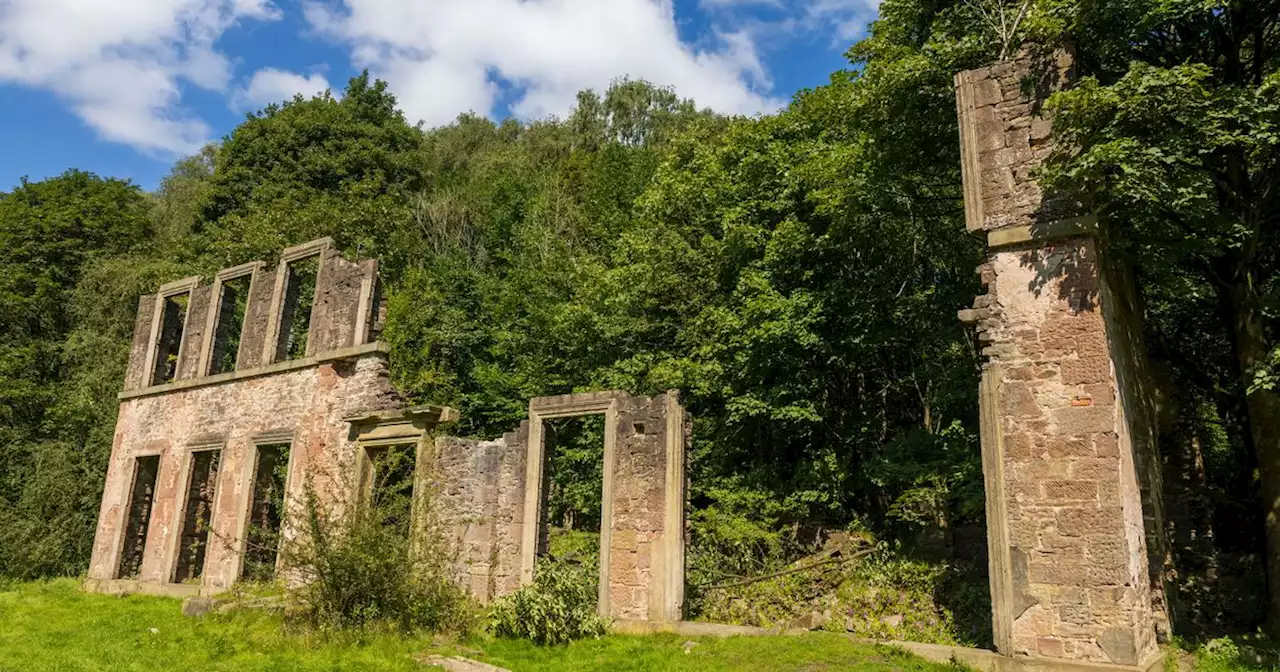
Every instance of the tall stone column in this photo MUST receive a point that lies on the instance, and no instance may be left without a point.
(1067, 438)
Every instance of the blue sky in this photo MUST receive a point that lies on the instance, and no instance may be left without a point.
(124, 87)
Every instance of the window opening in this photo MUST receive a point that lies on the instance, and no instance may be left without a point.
(299, 299)
(172, 322)
(141, 501)
(198, 516)
(266, 512)
(232, 305)
(389, 484)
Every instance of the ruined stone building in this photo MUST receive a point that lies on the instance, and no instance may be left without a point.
(241, 393)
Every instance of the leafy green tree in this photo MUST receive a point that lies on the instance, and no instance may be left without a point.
(310, 168)
(57, 240)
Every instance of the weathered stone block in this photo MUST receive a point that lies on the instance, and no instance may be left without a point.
(1084, 419)
(1071, 490)
(1091, 369)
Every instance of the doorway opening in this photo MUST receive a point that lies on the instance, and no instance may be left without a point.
(141, 500)
(573, 492)
(266, 512)
(197, 516)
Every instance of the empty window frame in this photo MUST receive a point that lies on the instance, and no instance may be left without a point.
(295, 307)
(167, 328)
(266, 513)
(387, 483)
(227, 314)
(197, 515)
(141, 500)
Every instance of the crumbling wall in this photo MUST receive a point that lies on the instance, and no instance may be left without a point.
(1066, 427)
(136, 375)
(191, 358)
(638, 508)
(257, 315)
(478, 488)
(337, 309)
(307, 404)
(302, 402)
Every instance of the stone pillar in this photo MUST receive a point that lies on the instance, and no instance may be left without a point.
(1066, 433)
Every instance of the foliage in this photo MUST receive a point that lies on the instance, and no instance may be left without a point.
(795, 275)
(579, 546)
(557, 608)
(886, 595)
(576, 471)
(69, 281)
(358, 567)
(309, 168)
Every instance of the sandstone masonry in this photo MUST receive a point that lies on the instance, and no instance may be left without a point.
(220, 383)
(1068, 446)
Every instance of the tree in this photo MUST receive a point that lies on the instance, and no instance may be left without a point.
(1173, 134)
(53, 235)
(310, 168)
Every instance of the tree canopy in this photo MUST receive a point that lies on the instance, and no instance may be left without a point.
(796, 274)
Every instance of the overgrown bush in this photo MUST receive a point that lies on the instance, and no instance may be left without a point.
(557, 608)
(848, 587)
(363, 569)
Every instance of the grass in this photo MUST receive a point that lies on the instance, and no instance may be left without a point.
(54, 626)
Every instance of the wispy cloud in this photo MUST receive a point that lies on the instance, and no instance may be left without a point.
(119, 63)
(270, 85)
(445, 57)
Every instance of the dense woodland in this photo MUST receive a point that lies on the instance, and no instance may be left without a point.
(796, 275)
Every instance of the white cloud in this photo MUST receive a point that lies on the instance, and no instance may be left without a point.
(270, 85)
(120, 64)
(446, 57)
(848, 17)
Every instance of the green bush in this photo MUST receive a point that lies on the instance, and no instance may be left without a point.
(557, 608)
(364, 569)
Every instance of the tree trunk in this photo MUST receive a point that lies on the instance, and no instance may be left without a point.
(1264, 426)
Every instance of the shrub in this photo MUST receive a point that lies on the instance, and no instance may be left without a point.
(363, 569)
(558, 607)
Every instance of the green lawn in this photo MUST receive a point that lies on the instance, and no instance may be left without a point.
(54, 626)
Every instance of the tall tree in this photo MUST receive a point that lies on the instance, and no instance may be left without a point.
(53, 234)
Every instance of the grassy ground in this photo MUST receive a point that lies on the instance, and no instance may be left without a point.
(54, 626)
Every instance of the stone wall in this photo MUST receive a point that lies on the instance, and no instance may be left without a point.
(478, 488)
(336, 408)
(343, 316)
(1072, 494)
(642, 506)
(305, 405)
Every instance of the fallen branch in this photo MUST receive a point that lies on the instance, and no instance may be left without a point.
(793, 570)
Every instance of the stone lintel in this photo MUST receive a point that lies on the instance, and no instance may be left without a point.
(239, 271)
(573, 404)
(178, 287)
(1071, 227)
(432, 414)
(307, 249)
(378, 348)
